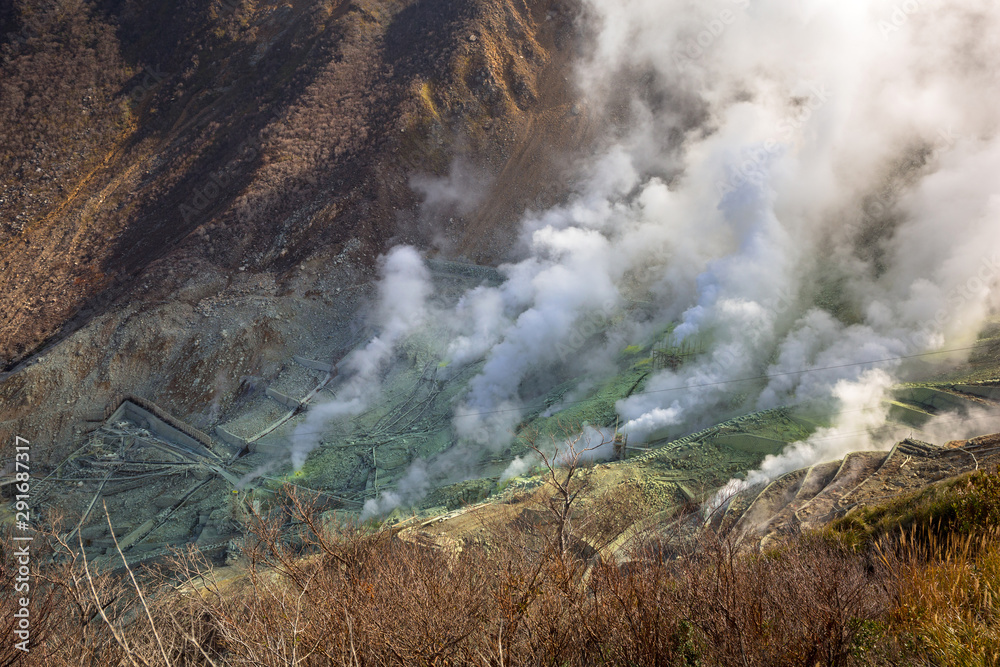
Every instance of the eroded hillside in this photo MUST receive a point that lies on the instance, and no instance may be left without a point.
(191, 191)
(375, 248)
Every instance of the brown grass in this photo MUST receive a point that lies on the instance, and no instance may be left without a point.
(947, 607)
(318, 591)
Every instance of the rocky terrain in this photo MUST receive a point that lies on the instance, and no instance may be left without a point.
(646, 499)
(500, 331)
(194, 200)
(233, 198)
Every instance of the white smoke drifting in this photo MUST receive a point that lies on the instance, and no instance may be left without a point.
(592, 444)
(806, 184)
(861, 412)
(402, 306)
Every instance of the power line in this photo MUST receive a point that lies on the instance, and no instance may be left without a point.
(748, 379)
(893, 425)
(710, 384)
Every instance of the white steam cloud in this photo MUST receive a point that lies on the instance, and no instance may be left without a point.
(861, 413)
(403, 292)
(803, 184)
(778, 156)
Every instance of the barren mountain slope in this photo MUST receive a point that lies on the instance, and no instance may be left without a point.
(193, 189)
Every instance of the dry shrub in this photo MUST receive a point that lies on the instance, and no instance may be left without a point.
(340, 595)
(317, 591)
(798, 605)
(802, 604)
(614, 510)
(78, 615)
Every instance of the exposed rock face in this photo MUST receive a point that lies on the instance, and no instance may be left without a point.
(194, 192)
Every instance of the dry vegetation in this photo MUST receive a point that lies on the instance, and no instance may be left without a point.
(139, 135)
(316, 591)
(60, 79)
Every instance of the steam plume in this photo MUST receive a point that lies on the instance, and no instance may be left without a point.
(403, 292)
(804, 185)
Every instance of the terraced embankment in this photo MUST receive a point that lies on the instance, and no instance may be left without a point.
(687, 470)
